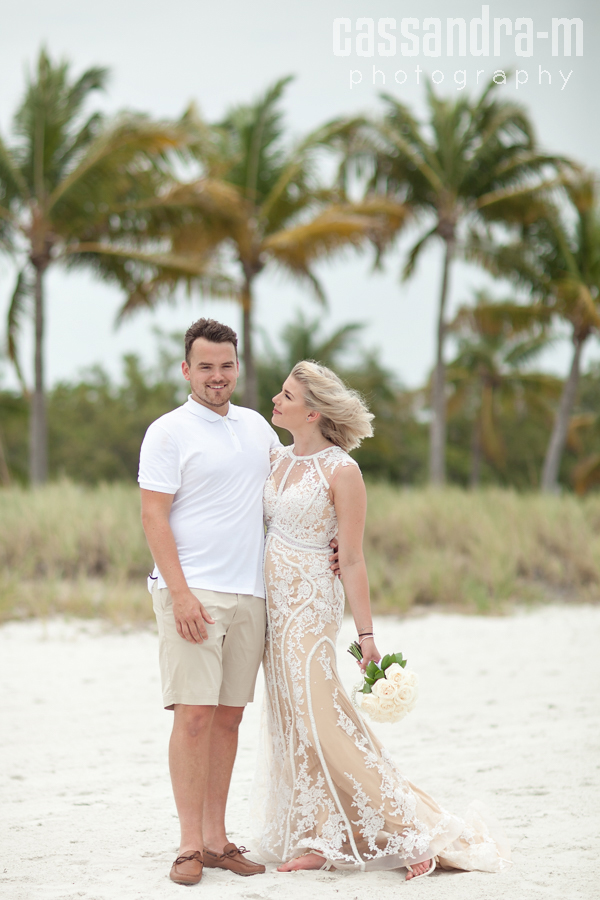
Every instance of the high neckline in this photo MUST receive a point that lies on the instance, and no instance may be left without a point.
(310, 455)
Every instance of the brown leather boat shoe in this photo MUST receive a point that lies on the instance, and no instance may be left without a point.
(232, 858)
(187, 869)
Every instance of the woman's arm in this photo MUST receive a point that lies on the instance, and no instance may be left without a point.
(350, 501)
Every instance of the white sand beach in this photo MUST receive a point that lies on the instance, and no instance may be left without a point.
(509, 713)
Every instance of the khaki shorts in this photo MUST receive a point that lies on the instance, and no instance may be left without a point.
(221, 670)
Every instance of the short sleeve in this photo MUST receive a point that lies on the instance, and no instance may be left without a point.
(272, 436)
(275, 442)
(160, 468)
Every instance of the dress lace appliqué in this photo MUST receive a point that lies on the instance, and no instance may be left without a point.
(326, 783)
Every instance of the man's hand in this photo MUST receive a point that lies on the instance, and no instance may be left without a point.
(334, 559)
(190, 617)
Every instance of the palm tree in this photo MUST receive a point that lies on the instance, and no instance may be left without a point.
(264, 204)
(557, 258)
(497, 341)
(467, 166)
(67, 179)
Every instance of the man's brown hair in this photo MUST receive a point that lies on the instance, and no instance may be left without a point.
(210, 330)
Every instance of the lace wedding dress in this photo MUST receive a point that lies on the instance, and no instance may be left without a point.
(325, 782)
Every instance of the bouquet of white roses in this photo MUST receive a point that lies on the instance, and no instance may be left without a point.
(388, 692)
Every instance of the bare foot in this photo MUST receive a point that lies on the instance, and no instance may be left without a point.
(308, 861)
(418, 869)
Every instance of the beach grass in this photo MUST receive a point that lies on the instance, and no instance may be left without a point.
(480, 551)
(74, 550)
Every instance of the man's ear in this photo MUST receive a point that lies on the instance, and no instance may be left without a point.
(185, 370)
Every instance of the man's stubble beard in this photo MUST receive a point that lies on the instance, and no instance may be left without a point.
(205, 400)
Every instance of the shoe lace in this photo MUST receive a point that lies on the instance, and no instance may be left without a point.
(186, 858)
(234, 851)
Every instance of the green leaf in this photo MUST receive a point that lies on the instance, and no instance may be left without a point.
(17, 310)
(398, 658)
(379, 675)
(369, 680)
(372, 669)
(386, 662)
(367, 689)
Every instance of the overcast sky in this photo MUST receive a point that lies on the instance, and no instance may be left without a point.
(163, 55)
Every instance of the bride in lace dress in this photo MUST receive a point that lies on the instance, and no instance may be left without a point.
(327, 793)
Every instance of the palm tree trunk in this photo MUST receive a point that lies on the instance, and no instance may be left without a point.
(250, 395)
(38, 435)
(558, 438)
(437, 431)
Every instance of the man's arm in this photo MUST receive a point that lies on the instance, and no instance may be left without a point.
(189, 613)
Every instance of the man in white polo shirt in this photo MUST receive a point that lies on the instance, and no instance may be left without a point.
(202, 471)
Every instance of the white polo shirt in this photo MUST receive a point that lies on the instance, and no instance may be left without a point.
(216, 467)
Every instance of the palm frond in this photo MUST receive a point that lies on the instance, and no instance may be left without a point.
(186, 265)
(93, 79)
(577, 424)
(329, 232)
(129, 139)
(403, 153)
(147, 294)
(17, 309)
(251, 141)
(325, 136)
(586, 474)
(526, 351)
(12, 181)
(415, 252)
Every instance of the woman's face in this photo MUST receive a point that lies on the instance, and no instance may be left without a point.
(290, 411)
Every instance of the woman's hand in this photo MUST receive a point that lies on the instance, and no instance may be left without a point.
(370, 653)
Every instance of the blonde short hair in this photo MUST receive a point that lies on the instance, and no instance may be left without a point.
(345, 419)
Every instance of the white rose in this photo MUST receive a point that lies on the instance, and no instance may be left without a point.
(384, 688)
(407, 696)
(410, 678)
(386, 706)
(387, 719)
(368, 703)
(395, 674)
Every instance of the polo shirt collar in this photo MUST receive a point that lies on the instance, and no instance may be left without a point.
(205, 413)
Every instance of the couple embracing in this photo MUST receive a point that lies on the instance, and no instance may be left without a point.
(212, 475)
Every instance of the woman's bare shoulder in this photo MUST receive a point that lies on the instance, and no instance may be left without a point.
(346, 476)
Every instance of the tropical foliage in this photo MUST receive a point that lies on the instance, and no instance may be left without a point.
(65, 181)
(473, 163)
(556, 257)
(491, 375)
(260, 202)
(157, 206)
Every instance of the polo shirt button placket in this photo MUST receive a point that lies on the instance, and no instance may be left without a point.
(232, 434)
